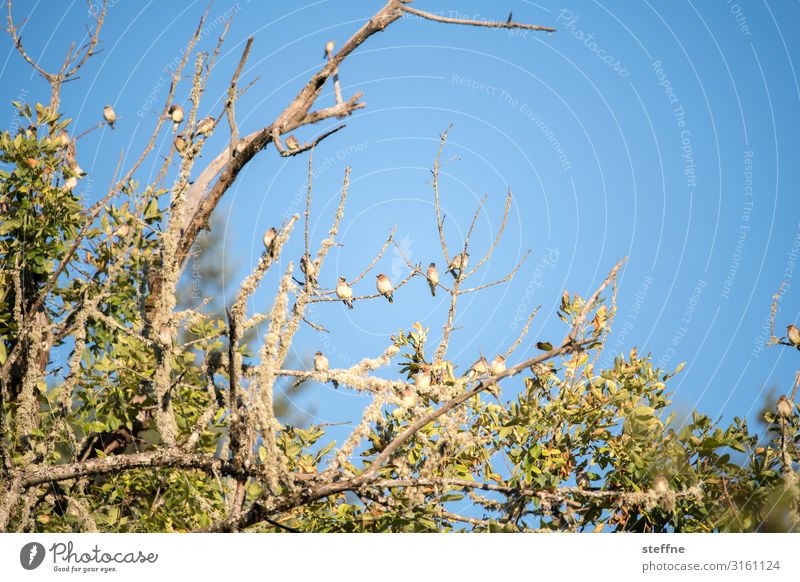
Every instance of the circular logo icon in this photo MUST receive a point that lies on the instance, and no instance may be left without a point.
(31, 555)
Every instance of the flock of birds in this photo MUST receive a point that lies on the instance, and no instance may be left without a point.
(175, 112)
(383, 283)
(206, 125)
(423, 378)
(344, 291)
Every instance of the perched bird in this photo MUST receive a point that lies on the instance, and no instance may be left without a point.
(498, 365)
(793, 334)
(321, 362)
(785, 407)
(459, 263)
(292, 143)
(204, 126)
(433, 278)
(121, 231)
(269, 240)
(109, 115)
(408, 397)
(70, 183)
(71, 152)
(165, 335)
(328, 50)
(180, 143)
(321, 365)
(660, 484)
(422, 379)
(176, 113)
(309, 269)
(582, 479)
(344, 292)
(385, 287)
(62, 139)
(479, 368)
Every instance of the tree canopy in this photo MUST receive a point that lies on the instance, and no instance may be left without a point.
(163, 417)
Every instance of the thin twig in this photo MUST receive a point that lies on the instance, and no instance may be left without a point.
(522, 334)
(499, 281)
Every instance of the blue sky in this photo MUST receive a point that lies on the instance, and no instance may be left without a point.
(662, 131)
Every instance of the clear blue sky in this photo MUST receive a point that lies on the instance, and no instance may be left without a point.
(664, 131)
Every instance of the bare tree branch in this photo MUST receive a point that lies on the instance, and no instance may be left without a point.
(233, 95)
(486, 23)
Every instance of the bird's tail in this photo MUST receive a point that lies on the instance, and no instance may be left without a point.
(389, 297)
(433, 289)
(349, 303)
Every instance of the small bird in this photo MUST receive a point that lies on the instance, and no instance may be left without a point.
(62, 139)
(344, 292)
(165, 335)
(269, 240)
(321, 365)
(109, 115)
(71, 152)
(479, 368)
(180, 143)
(408, 397)
(459, 263)
(176, 113)
(121, 231)
(785, 408)
(309, 269)
(433, 278)
(385, 287)
(793, 334)
(292, 143)
(328, 50)
(498, 365)
(422, 379)
(204, 126)
(321, 362)
(70, 183)
(582, 479)
(660, 484)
